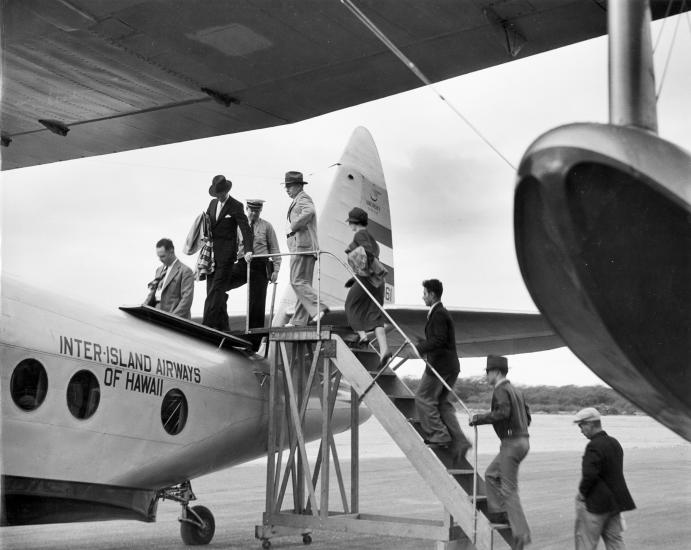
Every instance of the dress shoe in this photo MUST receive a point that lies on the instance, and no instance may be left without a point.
(320, 315)
(385, 359)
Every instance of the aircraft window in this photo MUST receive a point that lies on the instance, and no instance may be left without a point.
(83, 394)
(29, 384)
(174, 412)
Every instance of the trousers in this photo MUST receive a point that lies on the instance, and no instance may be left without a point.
(501, 479)
(301, 275)
(437, 413)
(590, 527)
(259, 280)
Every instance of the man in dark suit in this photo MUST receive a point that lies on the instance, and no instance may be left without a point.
(510, 418)
(226, 215)
(172, 289)
(602, 492)
(433, 400)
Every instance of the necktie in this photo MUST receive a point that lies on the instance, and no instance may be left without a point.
(162, 276)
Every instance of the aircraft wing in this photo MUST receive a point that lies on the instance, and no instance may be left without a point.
(119, 75)
(478, 333)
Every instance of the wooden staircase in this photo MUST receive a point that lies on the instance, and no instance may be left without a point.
(319, 356)
(393, 404)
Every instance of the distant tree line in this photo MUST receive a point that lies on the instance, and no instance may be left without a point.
(476, 393)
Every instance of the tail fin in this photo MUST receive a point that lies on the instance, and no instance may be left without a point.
(359, 181)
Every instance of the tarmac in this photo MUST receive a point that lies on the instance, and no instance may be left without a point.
(659, 479)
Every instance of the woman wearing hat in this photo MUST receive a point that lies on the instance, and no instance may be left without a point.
(363, 314)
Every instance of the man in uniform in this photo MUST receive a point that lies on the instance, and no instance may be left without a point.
(437, 412)
(226, 215)
(172, 289)
(510, 418)
(262, 270)
(301, 232)
(602, 492)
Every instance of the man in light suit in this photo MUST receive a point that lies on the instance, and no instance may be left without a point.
(226, 215)
(433, 400)
(301, 232)
(173, 288)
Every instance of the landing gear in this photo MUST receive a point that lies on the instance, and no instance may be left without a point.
(306, 538)
(197, 525)
(266, 544)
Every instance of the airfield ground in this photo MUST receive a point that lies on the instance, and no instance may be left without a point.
(659, 479)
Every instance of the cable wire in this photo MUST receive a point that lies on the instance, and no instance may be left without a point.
(671, 49)
(418, 73)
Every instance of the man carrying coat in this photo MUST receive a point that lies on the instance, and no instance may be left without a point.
(602, 492)
(437, 412)
(226, 215)
(301, 233)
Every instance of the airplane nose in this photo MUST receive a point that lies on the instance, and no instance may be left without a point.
(603, 239)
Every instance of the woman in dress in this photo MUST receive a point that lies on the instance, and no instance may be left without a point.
(363, 314)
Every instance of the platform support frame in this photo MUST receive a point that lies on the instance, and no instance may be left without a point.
(303, 364)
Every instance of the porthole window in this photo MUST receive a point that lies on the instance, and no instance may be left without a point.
(174, 412)
(83, 394)
(29, 384)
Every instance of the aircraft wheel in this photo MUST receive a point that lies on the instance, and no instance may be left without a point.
(195, 535)
(266, 544)
(306, 538)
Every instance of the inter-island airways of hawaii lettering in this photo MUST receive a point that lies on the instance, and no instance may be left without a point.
(133, 361)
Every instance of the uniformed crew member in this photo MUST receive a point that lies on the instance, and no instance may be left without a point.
(262, 270)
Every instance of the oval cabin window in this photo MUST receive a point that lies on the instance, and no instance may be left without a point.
(29, 384)
(174, 411)
(83, 394)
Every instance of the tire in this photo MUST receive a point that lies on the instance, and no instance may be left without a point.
(306, 538)
(192, 535)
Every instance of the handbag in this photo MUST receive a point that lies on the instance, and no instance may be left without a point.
(357, 260)
(377, 272)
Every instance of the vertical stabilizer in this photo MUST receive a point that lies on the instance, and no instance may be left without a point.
(359, 181)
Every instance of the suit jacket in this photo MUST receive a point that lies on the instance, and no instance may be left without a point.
(178, 291)
(224, 230)
(440, 342)
(302, 220)
(602, 482)
(510, 416)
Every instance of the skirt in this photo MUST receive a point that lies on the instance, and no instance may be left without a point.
(362, 313)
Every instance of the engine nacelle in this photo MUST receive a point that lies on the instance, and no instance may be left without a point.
(602, 223)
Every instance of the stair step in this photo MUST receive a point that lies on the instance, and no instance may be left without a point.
(480, 498)
(457, 472)
(500, 526)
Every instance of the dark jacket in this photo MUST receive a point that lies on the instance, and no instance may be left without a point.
(224, 230)
(602, 482)
(510, 416)
(440, 342)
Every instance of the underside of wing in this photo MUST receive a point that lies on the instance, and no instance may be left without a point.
(84, 78)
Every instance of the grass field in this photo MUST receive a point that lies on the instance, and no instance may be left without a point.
(659, 479)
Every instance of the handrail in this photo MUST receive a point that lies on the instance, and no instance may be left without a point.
(407, 341)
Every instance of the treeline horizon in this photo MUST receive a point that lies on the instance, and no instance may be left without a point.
(476, 393)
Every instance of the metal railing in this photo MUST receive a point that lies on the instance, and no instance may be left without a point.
(407, 342)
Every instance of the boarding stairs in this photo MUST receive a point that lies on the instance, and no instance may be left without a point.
(305, 356)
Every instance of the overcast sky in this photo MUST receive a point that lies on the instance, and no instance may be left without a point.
(87, 228)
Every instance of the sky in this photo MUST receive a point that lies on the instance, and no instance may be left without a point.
(87, 228)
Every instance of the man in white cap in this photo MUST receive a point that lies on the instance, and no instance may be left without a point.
(510, 418)
(262, 270)
(602, 492)
(301, 232)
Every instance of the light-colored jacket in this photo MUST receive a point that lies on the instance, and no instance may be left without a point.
(178, 292)
(302, 220)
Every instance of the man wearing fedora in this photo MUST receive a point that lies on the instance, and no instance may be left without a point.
(172, 289)
(510, 418)
(262, 270)
(602, 492)
(226, 215)
(301, 233)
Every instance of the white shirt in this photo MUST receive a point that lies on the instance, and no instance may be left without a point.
(220, 205)
(162, 284)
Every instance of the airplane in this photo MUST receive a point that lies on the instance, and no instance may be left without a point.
(149, 75)
(105, 413)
